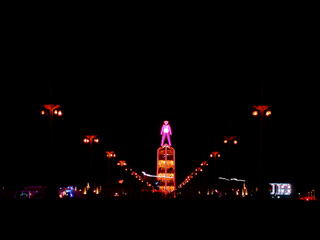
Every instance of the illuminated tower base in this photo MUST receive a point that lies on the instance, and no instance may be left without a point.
(166, 170)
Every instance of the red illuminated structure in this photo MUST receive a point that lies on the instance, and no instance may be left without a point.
(90, 139)
(166, 164)
(51, 109)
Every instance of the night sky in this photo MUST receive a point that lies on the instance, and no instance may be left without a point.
(121, 83)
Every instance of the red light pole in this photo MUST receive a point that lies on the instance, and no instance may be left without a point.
(109, 155)
(90, 139)
(230, 140)
(51, 109)
(264, 111)
(214, 155)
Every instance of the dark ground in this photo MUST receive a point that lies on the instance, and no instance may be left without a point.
(170, 218)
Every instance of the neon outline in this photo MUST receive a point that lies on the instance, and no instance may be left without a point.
(166, 132)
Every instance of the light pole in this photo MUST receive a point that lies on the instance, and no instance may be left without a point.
(90, 139)
(109, 155)
(121, 163)
(51, 109)
(214, 155)
(230, 140)
(264, 110)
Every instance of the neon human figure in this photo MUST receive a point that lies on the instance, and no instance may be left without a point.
(166, 132)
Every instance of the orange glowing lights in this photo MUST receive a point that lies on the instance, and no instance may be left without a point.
(110, 154)
(122, 163)
(90, 138)
(57, 112)
(268, 113)
(230, 139)
(214, 154)
(261, 108)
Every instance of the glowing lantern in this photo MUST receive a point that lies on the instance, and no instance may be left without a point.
(235, 142)
(268, 113)
(255, 113)
(225, 141)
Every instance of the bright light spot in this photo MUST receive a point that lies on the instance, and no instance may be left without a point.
(268, 113)
(255, 113)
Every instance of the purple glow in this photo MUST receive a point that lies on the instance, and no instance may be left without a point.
(166, 132)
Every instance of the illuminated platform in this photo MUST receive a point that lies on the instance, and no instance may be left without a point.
(166, 170)
(166, 163)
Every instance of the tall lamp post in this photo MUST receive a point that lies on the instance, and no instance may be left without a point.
(109, 155)
(51, 109)
(214, 155)
(121, 163)
(262, 110)
(90, 139)
(230, 140)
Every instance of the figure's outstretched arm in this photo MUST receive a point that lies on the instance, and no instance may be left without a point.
(162, 130)
(170, 130)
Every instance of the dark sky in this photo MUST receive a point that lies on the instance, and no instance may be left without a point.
(121, 80)
(126, 110)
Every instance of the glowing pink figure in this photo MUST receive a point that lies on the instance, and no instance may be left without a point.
(166, 132)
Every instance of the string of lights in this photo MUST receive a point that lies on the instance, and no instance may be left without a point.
(194, 173)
